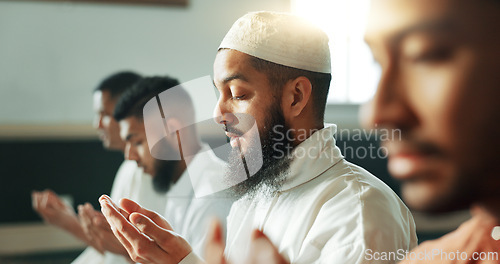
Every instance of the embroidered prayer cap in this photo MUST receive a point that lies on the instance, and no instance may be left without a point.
(280, 38)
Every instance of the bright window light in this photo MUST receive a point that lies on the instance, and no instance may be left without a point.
(354, 72)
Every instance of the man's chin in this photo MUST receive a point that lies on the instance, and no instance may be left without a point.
(424, 196)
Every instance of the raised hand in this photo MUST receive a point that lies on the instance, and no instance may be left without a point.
(147, 236)
(261, 249)
(98, 230)
(55, 211)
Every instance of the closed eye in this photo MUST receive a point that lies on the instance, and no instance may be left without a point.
(435, 55)
(240, 97)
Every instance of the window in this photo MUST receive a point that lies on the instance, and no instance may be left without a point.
(354, 72)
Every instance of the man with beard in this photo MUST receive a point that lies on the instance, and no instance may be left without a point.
(130, 182)
(440, 88)
(186, 214)
(311, 203)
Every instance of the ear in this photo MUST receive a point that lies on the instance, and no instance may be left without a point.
(296, 94)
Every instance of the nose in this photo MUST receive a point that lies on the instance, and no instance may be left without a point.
(391, 106)
(223, 113)
(97, 123)
(131, 153)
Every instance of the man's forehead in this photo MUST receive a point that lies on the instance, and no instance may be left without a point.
(228, 62)
(388, 18)
(103, 101)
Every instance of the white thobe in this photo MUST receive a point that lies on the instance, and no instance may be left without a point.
(189, 216)
(132, 183)
(328, 211)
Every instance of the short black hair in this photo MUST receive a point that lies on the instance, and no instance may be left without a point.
(278, 75)
(132, 102)
(118, 83)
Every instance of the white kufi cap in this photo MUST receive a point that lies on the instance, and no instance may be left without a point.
(280, 38)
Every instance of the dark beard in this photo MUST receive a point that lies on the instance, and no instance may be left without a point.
(276, 161)
(165, 168)
(163, 178)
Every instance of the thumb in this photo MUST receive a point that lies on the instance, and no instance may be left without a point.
(214, 248)
(262, 250)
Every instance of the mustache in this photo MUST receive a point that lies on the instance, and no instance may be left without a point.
(232, 130)
(413, 144)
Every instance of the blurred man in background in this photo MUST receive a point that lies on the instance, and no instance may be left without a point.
(130, 182)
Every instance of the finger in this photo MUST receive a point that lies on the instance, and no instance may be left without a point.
(83, 219)
(263, 250)
(106, 199)
(117, 223)
(131, 207)
(43, 199)
(214, 249)
(88, 206)
(140, 247)
(163, 237)
(100, 222)
(54, 201)
(88, 210)
(35, 197)
(86, 224)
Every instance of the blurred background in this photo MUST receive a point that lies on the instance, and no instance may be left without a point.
(54, 53)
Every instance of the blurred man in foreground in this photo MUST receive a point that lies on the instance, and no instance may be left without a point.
(440, 86)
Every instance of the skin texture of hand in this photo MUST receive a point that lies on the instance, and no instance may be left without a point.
(262, 249)
(98, 230)
(56, 212)
(147, 236)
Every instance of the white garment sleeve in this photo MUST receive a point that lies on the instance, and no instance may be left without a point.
(191, 258)
(89, 255)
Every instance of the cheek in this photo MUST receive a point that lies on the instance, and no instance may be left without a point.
(106, 122)
(439, 95)
(146, 154)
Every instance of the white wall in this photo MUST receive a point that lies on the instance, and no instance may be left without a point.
(53, 54)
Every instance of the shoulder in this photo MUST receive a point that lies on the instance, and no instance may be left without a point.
(348, 181)
(363, 210)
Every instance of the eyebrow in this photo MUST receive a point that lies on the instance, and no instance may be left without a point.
(237, 76)
(434, 26)
(431, 26)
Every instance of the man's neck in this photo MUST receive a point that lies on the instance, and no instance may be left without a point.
(303, 133)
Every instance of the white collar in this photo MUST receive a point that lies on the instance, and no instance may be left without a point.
(312, 157)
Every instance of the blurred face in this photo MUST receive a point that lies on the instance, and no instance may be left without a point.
(133, 133)
(245, 96)
(109, 131)
(440, 89)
